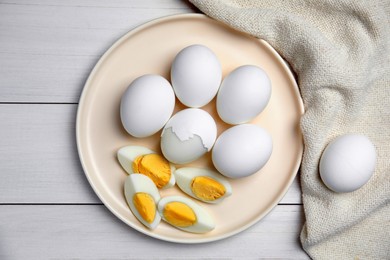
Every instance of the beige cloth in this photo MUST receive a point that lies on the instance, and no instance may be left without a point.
(340, 51)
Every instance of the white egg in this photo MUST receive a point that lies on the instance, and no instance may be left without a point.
(128, 154)
(347, 163)
(142, 197)
(146, 105)
(244, 93)
(242, 150)
(196, 75)
(185, 214)
(203, 184)
(188, 135)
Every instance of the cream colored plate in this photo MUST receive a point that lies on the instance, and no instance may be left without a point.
(151, 48)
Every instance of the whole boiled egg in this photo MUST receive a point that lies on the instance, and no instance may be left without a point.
(146, 105)
(347, 163)
(196, 75)
(243, 94)
(142, 197)
(185, 214)
(203, 184)
(188, 135)
(139, 159)
(242, 150)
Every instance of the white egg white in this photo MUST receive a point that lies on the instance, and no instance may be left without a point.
(188, 135)
(136, 183)
(146, 105)
(348, 163)
(126, 156)
(242, 150)
(204, 222)
(196, 74)
(185, 175)
(244, 93)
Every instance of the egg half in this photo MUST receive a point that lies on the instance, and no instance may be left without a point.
(203, 184)
(185, 214)
(142, 197)
(139, 159)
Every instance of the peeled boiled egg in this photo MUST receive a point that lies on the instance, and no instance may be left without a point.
(139, 159)
(185, 214)
(243, 94)
(146, 105)
(242, 150)
(142, 197)
(188, 135)
(348, 163)
(196, 75)
(202, 184)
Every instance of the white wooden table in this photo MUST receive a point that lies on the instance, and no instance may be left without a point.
(48, 210)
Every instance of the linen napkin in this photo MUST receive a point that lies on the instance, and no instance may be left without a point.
(340, 51)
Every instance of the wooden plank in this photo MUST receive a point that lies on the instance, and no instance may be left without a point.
(38, 157)
(43, 78)
(58, 28)
(92, 232)
(133, 4)
(48, 48)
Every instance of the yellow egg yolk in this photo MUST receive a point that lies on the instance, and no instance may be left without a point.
(155, 167)
(145, 206)
(207, 188)
(179, 214)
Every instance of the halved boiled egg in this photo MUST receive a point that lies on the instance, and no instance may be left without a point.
(139, 159)
(185, 214)
(202, 184)
(142, 197)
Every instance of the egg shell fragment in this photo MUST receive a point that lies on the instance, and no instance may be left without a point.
(196, 75)
(127, 154)
(244, 93)
(242, 150)
(204, 222)
(146, 105)
(185, 175)
(138, 183)
(347, 163)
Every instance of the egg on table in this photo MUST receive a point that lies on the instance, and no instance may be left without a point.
(141, 160)
(243, 94)
(188, 135)
(185, 214)
(242, 150)
(142, 197)
(196, 75)
(146, 105)
(347, 163)
(203, 184)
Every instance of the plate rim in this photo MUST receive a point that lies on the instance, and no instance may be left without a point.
(80, 107)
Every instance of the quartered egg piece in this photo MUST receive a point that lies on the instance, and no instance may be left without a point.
(185, 214)
(142, 197)
(139, 159)
(202, 184)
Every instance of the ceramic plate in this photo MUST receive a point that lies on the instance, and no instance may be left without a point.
(151, 48)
